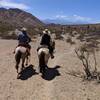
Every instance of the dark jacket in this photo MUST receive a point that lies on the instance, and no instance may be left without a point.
(45, 40)
(23, 38)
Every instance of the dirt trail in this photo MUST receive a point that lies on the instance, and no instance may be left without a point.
(58, 83)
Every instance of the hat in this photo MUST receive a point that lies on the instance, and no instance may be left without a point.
(46, 31)
(23, 29)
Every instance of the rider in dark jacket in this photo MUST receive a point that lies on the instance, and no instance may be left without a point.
(46, 40)
(24, 39)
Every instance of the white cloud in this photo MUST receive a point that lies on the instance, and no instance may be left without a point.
(81, 18)
(61, 16)
(10, 4)
(74, 18)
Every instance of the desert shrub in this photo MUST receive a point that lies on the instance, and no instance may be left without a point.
(69, 40)
(83, 53)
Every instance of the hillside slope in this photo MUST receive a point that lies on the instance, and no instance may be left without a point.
(14, 18)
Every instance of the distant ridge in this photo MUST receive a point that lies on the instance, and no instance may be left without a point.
(64, 21)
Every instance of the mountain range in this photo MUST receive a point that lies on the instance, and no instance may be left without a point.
(64, 21)
(14, 18)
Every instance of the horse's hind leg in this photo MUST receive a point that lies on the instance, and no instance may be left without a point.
(42, 63)
(42, 68)
(17, 62)
(16, 67)
(23, 60)
(27, 58)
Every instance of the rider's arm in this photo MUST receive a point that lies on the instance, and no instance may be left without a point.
(19, 35)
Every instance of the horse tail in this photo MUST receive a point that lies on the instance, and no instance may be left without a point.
(42, 59)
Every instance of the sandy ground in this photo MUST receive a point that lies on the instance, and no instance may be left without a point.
(59, 83)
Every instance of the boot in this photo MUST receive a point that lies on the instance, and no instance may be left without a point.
(52, 56)
(14, 52)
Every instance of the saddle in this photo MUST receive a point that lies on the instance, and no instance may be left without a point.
(23, 45)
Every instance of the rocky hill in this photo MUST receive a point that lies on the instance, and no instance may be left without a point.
(13, 18)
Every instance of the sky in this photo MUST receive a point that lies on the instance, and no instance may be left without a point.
(76, 10)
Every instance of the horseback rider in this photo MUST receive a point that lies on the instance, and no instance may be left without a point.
(24, 40)
(47, 40)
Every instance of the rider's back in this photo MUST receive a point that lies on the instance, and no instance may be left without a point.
(45, 40)
(23, 38)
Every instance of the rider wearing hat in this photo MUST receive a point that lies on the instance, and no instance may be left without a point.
(24, 39)
(47, 40)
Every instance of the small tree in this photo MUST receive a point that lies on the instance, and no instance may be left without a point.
(83, 53)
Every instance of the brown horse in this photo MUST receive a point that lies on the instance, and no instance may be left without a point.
(21, 54)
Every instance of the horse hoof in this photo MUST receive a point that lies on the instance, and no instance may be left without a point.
(26, 64)
(18, 76)
(17, 70)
